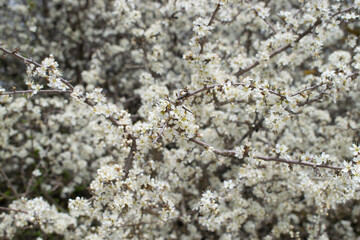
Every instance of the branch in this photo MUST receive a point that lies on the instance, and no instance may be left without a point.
(130, 157)
(11, 209)
(307, 89)
(162, 131)
(205, 88)
(10, 185)
(227, 153)
(15, 54)
(214, 14)
(291, 162)
(231, 153)
(281, 49)
(48, 91)
(263, 18)
(209, 24)
(189, 94)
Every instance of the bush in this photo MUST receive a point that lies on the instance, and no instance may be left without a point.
(179, 119)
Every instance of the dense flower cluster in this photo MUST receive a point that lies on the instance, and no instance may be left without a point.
(221, 119)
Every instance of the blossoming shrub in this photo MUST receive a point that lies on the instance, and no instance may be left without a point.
(179, 119)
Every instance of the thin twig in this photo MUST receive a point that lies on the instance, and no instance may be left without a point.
(31, 181)
(307, 89)
(161, 132)
(13, 210)
(211, 21)
(263, 18)
(231, 153)
(294, 162)
(130, 157)
(12, 188)
(15, 54)
(31, 91)
(157, 221)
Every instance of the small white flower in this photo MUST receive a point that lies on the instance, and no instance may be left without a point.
(347, 167)
(239, 152)
(223, 2)
(36, 173)
(355, 149)
(229, 184)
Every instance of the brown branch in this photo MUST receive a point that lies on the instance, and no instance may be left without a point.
(231, 153)
(307, 89)
(211, 21)
(214, 14)
(130, 157)
(31, 181)
(227, 153)
(308, 100)
(189, 94)
(292, 162)
(13, 210)
(15, 54)
(162, 131)
(47, 91)
(8, 181)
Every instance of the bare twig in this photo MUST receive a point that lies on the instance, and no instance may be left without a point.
(8, 181)
(31, 181)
